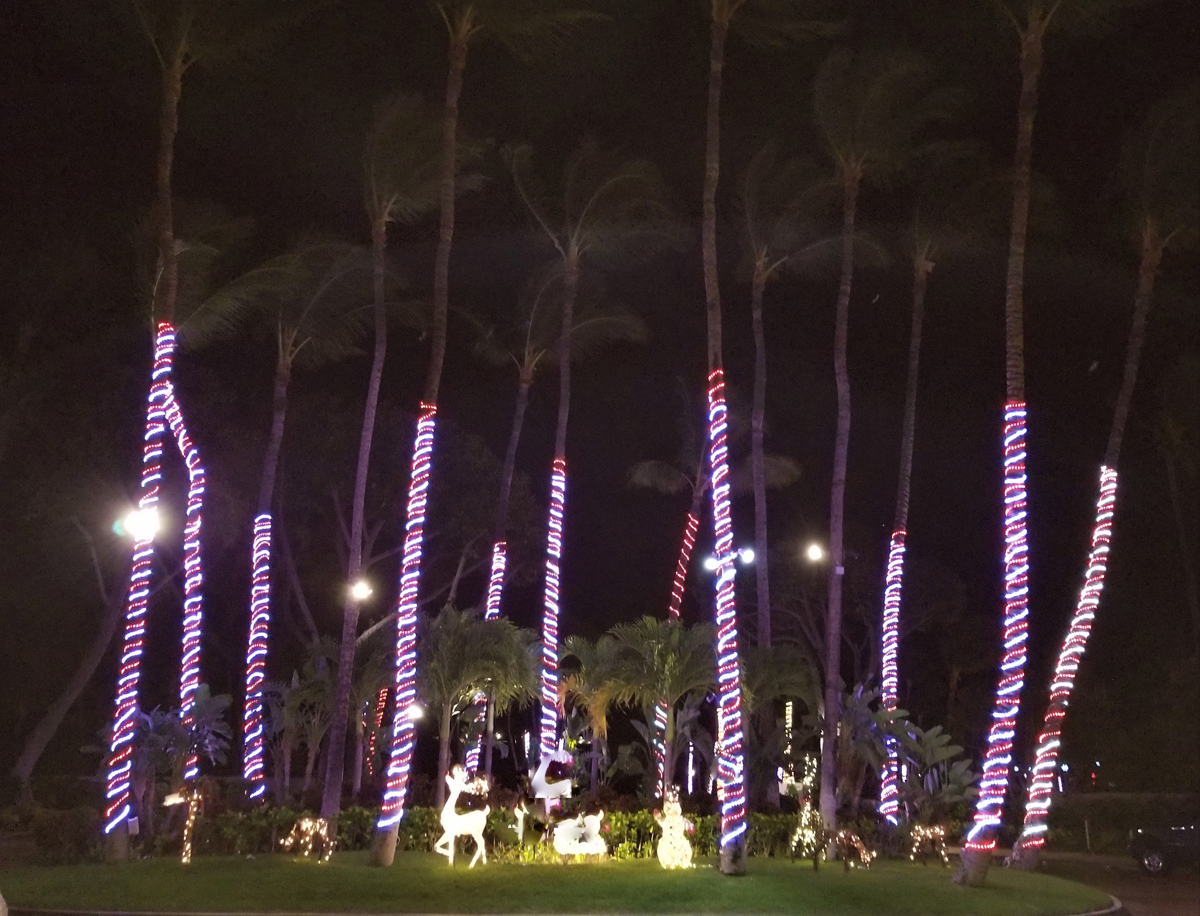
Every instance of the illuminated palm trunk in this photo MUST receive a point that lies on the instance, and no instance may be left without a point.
(731, 784)
(889, 632)
(997, 761)
(406, 709)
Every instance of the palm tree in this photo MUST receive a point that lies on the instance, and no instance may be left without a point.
(310, 295)
(1159, 177)
(778, 200)
(593, 686)
(771, 673)
(610, 211)
(870, 110)
(659, 663)
(400, 185)
(763, 22)
(1031, 19)
(460, 656)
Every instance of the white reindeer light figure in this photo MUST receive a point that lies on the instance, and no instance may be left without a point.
(470, 824)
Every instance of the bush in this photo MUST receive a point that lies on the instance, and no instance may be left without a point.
(66, 837)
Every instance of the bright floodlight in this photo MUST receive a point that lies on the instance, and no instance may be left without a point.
(360, 590)
(415, 711)
(142, 524)
(815, 552)
(746, 554)
(710, 563)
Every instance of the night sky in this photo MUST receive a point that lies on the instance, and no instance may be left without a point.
(280, 139)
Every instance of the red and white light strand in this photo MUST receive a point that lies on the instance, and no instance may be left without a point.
(193, 571)
(731, 786)
(889, 790)
(256, 657)
(681, 567)
(1070, 653)
(403, 725)
(496, 581)
(120, 757)
(993, 781)
(660, 747)
(548, 735)
(380, 707)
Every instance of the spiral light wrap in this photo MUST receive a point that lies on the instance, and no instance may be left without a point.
(1070, 653)
(731, 787)
(548, 736)
(993, 782)
(256, 657)
(193, 571)
(681, 567)
(129, 672)
(660, 747)
(403, 727)
(496, 581)
(889, 790)
(380, 707)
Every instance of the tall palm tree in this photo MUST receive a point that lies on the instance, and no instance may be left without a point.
(460, 656)
(659, 663)
(311, 294)
(593, 686)
(401, 184)
(526, 29)
(609, 211)
(1031, 20)
(779, 201)
(870, 109)
(763, 23)
(1163, 192)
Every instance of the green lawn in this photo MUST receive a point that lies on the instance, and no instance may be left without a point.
(424, 883)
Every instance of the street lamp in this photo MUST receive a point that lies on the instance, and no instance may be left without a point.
(745, 556)
(360, 590)
(140, 524)
(815, 553)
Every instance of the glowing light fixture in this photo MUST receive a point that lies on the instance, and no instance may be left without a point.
(403, 728)
(361, 590)
(141, 524)
(993, 781)
(815, 553)
(746, 555)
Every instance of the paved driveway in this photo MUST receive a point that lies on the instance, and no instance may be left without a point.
(1178, 894)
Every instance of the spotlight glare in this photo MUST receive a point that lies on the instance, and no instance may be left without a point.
(746, 554)
(142, 524)
(360, 590)
(815, 553)
(711, 563)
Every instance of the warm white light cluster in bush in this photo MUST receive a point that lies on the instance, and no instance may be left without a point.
(305, 834)
(934, 837)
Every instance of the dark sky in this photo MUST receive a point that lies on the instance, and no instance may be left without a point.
(279, 138)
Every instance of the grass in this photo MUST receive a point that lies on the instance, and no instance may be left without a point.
(424, 883)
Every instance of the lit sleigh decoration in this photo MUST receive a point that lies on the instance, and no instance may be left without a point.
(674, 849)
(307, 836)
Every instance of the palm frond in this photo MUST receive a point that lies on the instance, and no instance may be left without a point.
(402, 160)
(779, 471)
(777, 23)
(659, 476)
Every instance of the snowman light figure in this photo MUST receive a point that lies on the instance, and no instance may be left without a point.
(674, 849)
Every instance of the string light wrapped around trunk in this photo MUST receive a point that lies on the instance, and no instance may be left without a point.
(731, 787)
(681, 567)
(548, 736)
(403, 725)
(380, 708)
(256, 657)
(193, 571)
(889, 789)
(129, 671)
(1045, 767)
(993, 782)
(496, 581)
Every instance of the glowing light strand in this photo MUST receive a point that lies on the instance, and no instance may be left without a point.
(496, 581)
(380, 708)
(660, 746)
(120, 756)
(193, 571)
(403, 725)
(731, 788)
(548, 735)
(681, 567)
(993, 781)
(256, 657)
(1045, 766)
(889, 790)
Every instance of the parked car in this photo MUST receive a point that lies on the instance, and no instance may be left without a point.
(1159, 849)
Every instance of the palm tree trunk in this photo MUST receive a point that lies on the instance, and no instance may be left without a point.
(284, 792)
(729, 755)
(257, 640)
(1185, 549)
(837, 498)
(48, 725)
(686, 545)
(360, 739)
(310, 762)
(893, 589)
(383, 849)
(976, 854)
(758, 464)
(548, 732)
(489, 742)
(443, 755)
(510, 454)
(167, 282)
(331, 799)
